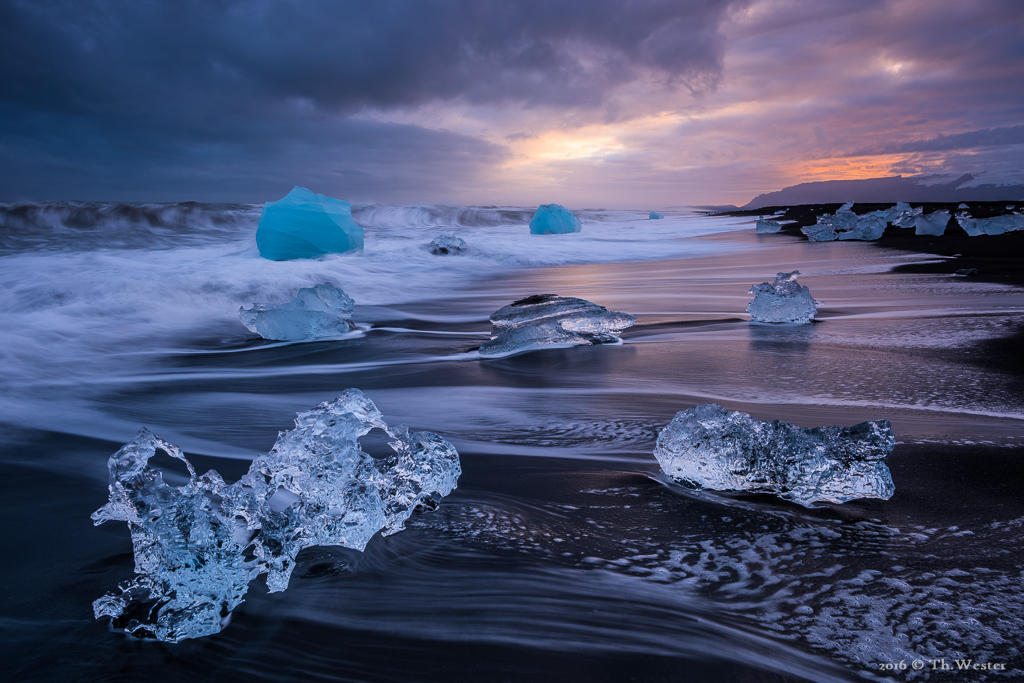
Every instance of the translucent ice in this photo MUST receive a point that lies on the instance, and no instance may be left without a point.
(907, 217)
(306, 225)
(446, 244)
(765, 227)
(548, 320)
(710, 447)
(654, 215)
(822, 231)
(319, 312)
(199, 545)
(782, 301)
(553, 219)
(932, 224)
(996, 225)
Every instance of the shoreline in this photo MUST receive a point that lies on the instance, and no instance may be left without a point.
(997, 258)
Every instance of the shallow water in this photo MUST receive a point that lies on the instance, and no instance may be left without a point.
(562, 554)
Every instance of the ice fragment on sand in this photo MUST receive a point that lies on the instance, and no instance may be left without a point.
(548, 320)
(654, 215)
(962, 206)
(996, 225)
(932, 224)
(766, 227)
(198, 546)
(710, 447)
(306, 225)
(319, 312)
(907, 217)
(553, 219)
(446, 244)
(782, 301)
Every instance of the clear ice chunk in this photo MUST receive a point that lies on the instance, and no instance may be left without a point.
(782, 301)
(710, 447)
(199, 545)
(996, 225)
(549, 320)
(767, 227)
(553, 219)
(446, 244)
(306, 225)
(822, 231)
(319, 312)
(654, 215)
(933, 224)
(907, 217)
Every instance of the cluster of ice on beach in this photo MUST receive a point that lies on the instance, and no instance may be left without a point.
(198, 546)
(306, 225)
(554, 219)
(447, 244)
(710, 447)
(997, 225)
(782, 301)
(550, 320)
(318, 312)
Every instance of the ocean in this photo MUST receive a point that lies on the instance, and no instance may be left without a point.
(563, 554)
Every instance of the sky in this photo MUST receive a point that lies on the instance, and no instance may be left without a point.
(588, 103)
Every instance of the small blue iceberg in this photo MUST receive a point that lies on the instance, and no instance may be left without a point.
(306, 225)
(553, 219)
(654, 215)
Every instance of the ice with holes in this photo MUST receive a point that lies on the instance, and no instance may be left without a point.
(319, 312)
(549, 320)
(197, 546)
(783, 301)
(447, 244)
(554, 219)
(710, 447)
(306, 225)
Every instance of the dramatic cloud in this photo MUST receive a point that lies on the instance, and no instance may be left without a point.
(613, 102)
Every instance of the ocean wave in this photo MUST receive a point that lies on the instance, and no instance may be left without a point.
(80, 226)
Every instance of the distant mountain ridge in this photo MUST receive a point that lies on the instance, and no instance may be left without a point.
(893, 189)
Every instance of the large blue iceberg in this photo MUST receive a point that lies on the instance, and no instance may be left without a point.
(199, 545)
(548, 320)
(554, 219)
(306, 225)
(710, 447)
(320, 312)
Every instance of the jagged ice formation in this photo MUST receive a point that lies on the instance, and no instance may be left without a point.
(319, 312)
(550, 320)
(710, 447)
(446, 244)
(198, 546)
(782, 301)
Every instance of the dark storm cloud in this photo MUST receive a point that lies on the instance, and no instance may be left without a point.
(987, 137)
(106, 89)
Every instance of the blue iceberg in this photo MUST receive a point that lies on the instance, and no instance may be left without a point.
(710, 447)
(553, 219)
(319, 312)
(306, 225)
(654, 215)
(767, 227)
(197, 546)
